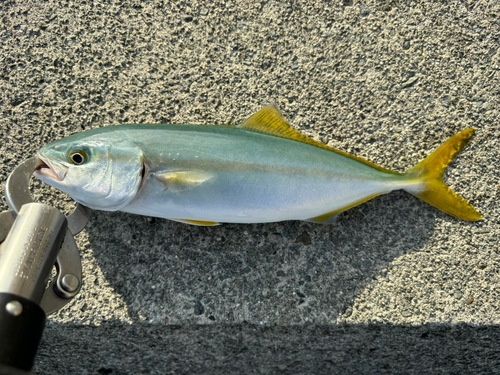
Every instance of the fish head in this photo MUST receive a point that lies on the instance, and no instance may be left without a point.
(98, 172)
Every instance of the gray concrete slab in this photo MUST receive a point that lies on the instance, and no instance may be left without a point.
(395, 286)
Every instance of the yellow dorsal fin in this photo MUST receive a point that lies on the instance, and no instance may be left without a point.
(269, 121)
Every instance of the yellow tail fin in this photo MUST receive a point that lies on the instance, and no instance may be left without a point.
(430, 172)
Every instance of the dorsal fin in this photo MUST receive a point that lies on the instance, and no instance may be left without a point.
(269, 121)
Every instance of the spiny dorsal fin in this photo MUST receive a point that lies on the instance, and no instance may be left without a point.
(269, 121)
(177, 181)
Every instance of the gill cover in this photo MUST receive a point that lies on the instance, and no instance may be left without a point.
(121, 178)
(110, 178)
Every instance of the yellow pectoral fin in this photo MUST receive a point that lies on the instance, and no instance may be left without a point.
(177, 181)
(328, 218)
(197, 222)
(269, 121)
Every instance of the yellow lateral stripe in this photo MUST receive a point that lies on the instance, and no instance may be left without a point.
(269, 121)
(327, 216)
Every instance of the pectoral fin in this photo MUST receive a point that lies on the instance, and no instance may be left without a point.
(177, 181)
(197, 222)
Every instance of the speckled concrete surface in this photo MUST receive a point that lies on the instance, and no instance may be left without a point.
(394, 286)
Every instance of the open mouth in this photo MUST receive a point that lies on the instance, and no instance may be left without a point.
(44, 168)
(41, 165)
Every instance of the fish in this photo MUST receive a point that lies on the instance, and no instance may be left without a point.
(260, 171)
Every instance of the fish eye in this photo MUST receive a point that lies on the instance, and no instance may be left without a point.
(78, 157)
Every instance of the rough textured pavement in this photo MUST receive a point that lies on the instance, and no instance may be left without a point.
(395, 286)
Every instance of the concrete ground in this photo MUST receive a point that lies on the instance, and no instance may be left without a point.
(395, 286)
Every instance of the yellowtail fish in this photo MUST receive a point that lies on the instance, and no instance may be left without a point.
(259, 171)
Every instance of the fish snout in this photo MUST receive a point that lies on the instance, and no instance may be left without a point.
(50, 169)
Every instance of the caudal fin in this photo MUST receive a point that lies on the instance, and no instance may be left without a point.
(430, 173)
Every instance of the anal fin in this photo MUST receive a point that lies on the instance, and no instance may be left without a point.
(330, 217)
(197, 222)
(320, 219)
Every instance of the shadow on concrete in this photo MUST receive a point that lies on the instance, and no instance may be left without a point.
(115, 348)
(204, 292)
(277, 273)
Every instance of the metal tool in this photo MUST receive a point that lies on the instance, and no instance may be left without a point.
(34, 237)
(17, 194)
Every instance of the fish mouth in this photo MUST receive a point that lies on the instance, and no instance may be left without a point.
(53, 170)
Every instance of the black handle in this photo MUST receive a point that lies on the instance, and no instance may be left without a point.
(7, 370)
(22, 323)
